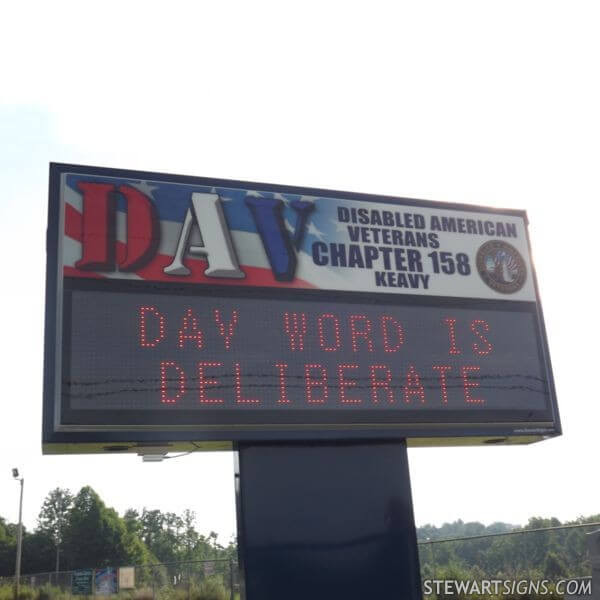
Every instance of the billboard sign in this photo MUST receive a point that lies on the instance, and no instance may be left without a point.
(82, 582)
(126, 578)
(185, 310)
(105, 581)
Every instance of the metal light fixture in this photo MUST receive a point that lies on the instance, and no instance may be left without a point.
(21, 480)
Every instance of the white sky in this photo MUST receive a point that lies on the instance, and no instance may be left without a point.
(492, 103)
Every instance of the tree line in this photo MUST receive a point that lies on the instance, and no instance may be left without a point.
(531, 554)
(76, 531)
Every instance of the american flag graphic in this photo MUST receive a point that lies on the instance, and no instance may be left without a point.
(172, 201)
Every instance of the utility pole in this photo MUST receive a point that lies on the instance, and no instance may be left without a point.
(21, 480)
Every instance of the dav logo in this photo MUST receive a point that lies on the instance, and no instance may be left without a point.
(204, 213)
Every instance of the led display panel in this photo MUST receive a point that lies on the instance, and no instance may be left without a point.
(191, 311)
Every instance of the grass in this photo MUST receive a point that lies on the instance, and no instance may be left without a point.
(211, 588)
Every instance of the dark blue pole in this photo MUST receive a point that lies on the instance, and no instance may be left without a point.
(326, 521)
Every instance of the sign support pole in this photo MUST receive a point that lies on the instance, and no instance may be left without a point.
(326, 521)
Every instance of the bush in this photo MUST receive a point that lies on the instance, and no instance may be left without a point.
(171, 593)
(6, 592)
(143, 594)
(211, 588)
(49, 592)
(26, 592)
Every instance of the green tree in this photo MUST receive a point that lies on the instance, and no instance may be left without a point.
(190, 538)
(54, 516)
(8, 546)
(97, 537)
(38, 552)
(132, 521)
(554, 566)
(161, 534)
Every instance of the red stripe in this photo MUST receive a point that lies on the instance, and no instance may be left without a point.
(73, 223)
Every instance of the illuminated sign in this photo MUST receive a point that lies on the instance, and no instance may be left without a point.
(184, 310)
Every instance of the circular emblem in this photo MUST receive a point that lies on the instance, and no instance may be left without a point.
(501, 266)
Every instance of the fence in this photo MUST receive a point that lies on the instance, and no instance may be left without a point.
(218, 578)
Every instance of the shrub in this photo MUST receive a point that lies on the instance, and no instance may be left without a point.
(6, 592)
(211, 588)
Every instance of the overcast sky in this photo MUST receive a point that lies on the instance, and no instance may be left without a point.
(491, 103)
